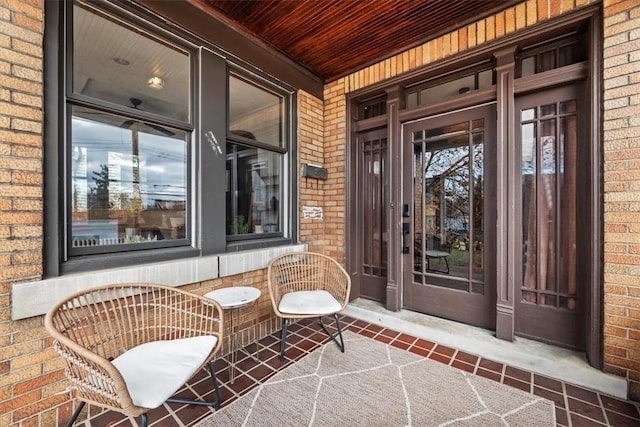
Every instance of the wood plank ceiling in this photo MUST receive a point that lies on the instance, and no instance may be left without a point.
(333, 38)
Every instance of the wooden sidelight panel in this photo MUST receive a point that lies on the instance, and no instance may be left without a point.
(550, 298)
(372, 219)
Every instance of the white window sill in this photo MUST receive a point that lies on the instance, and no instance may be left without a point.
(35, 298)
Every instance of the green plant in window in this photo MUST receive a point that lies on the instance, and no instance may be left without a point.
(239, 225)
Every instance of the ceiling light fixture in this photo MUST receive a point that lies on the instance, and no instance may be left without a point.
(156, 82)
(121, 61)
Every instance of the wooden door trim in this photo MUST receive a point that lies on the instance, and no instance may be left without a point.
(591, 16)
(352, 247)
(505, 197)
(596, 220)
(394, 144)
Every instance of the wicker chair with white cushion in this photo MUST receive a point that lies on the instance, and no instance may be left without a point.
(306, 285)
(130, 347)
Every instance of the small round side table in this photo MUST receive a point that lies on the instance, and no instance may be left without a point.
(233, 299)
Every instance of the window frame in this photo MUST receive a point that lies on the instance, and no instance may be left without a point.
(440, 80)
(202, 238)
(74, 258)
(283, 150)
(576, 38)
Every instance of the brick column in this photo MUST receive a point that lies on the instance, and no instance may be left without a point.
(621, 141)
(310, 190)
(31, 375)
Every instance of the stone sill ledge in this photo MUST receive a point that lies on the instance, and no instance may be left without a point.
(35, 298)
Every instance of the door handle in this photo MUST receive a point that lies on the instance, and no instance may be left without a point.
(406, 230)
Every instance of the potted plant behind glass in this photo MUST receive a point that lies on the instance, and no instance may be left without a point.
(239, 225)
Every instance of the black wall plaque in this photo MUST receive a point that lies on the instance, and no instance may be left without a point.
(316, 172)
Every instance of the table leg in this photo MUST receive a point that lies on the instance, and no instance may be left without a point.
(255, 335)
(233, 358)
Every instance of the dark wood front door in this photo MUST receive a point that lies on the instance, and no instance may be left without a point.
(553, 217)
(449, 215)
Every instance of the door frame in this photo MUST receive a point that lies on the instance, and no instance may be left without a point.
(503, 52)
(468, 307)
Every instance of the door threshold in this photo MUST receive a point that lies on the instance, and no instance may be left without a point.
(544, 359)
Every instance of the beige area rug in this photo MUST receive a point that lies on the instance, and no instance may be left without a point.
(374, 384)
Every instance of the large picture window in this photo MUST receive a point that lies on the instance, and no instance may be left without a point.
(128, 139)
(161, 147)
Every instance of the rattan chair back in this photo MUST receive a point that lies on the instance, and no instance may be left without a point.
(95, 326)
(306, 271)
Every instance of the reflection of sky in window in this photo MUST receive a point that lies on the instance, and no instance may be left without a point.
(163, 158)
(478, 161)
(529, 146)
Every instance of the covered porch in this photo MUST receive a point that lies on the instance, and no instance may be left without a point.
(274, 126)
(582, 395)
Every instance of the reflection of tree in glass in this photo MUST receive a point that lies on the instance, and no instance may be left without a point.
(99, 199)
(448, 171)
(477, 229)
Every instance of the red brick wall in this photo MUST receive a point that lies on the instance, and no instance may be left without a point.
(21, 119)
(311, 191)
(29, 374)
(335, 150)
(621, 140)
(322, 142)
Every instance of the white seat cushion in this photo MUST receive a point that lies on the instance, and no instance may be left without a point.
(154, 371)
(309, 302)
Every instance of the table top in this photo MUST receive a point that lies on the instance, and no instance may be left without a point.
(235, 296)
(436, 254)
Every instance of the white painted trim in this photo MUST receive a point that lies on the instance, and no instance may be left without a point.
(240, 262)
(30, 299)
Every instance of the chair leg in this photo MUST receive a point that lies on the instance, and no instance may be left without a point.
(283, 338)
(144, 418)
(215, 404)
(75, 414)
(334, 337)
(215, 386)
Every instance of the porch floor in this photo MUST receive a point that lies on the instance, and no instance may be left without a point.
(566, 365)
(575, 405)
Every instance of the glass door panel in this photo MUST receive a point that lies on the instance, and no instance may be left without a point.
(448, 206)
(548, 206)
(374, 153)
